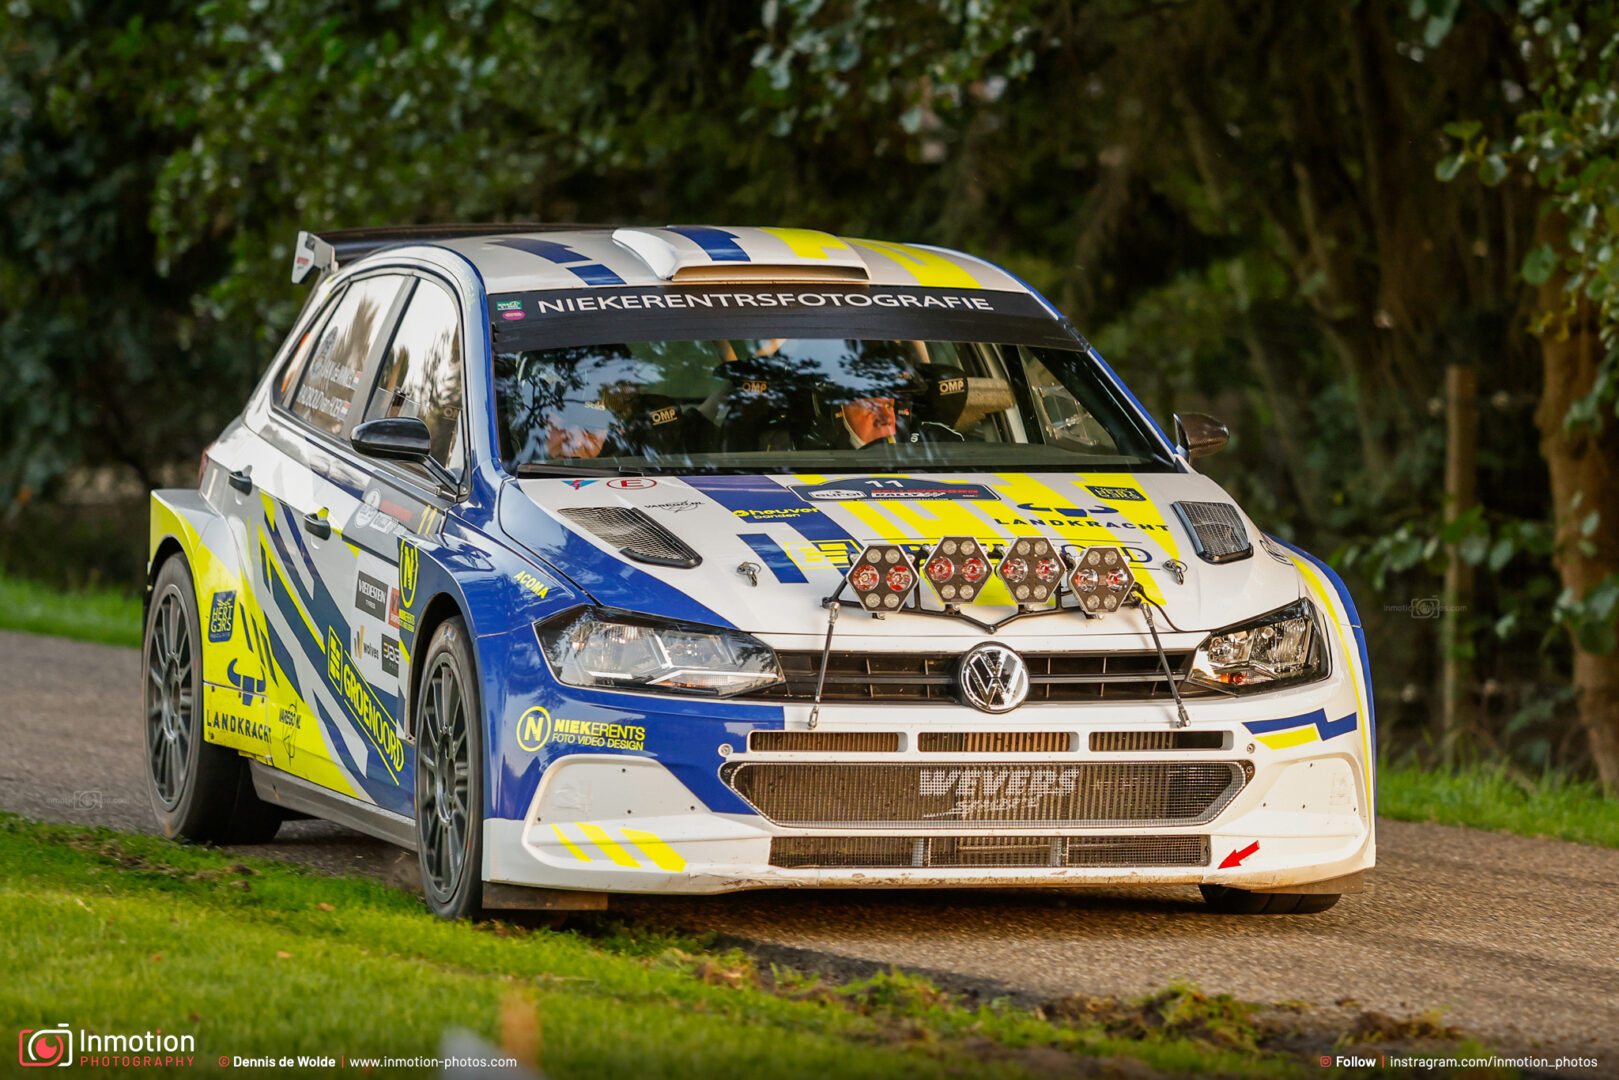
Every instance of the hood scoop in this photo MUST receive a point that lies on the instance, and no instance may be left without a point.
(635, 535)
(1218, 534)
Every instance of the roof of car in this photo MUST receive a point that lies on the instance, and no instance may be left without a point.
(529, 258)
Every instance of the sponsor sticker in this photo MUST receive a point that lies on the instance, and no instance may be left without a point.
(390, 655)
(510, 310)
(888, 488)
(536, 728)
(362, 704)
(222, 617)
(677, 507)
(371, 595)
(409, 561)
(633, 483)
(532, 583)
(1117, 494)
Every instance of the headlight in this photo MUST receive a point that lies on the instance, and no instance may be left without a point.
(618, 650)
(1275, 650)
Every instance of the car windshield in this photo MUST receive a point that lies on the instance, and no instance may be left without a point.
(813, 405)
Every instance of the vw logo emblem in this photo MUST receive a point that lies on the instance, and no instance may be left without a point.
(993, 679)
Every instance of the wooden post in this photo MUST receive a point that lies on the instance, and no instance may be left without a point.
(1461, 484)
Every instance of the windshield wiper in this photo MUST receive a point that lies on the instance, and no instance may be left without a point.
(550, 468)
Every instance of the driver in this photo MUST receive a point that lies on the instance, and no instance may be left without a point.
(869, 420)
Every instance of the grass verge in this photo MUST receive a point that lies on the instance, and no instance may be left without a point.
(1488, 798)
(104, 615)
(120, 934)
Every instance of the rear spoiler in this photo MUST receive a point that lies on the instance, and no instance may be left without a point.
(337, 247)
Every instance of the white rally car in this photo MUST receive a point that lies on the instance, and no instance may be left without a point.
(694, 559)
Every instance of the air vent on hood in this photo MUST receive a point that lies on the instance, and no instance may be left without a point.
(1218, 534)
(636, 536)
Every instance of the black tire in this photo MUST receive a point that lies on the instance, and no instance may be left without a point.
(448, 714)
(198, 790)
(1229, 901)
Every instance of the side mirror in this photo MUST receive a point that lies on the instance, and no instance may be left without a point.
(402, 438)
(394, 438)
(1199, 434)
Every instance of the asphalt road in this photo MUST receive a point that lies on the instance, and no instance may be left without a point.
(1517, 939)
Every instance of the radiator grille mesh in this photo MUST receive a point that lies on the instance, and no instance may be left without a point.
(995, 742)
(942, 852)
(1131, 742)
(635, 534)
(1091, 794)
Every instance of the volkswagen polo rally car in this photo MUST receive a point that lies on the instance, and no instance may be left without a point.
(694, 559)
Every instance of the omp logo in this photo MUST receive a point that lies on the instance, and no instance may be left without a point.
(1117, 494)
(361, 702)
(666, 415)
(40, 1047)
(371, 595)
(989, 789)
(222, 618)
(409, 559)
(952, 386)
(755, 386)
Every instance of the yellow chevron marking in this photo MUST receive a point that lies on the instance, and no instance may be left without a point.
(662, 855)
(927, 267)
(562, 837)
(1324, 597)
(1281, 740)
(808, 243)
(599, 836)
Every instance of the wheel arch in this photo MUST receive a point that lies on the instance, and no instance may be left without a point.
(439, 610)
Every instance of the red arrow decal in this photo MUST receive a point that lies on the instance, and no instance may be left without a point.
(1236, 857)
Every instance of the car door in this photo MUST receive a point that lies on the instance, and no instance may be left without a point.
(329, 723)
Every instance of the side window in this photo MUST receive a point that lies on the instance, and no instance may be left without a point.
(294, 368)
(420, 375)
(337, 358)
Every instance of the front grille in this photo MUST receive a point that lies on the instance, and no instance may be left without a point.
(635, 535)
(1134, 742)
(825, 742)
(1086, 794)
(995, 742)
(931, 677)
(895, 852)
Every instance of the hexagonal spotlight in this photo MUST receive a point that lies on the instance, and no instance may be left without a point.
(1031, 569)
(956, 568)
(1102, 579)
(882, 577)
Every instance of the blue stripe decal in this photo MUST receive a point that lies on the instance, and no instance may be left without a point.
(759, 498)
(1326, 729)
(580, 266)
(1264, 727)
(774, 557)
(719, 245)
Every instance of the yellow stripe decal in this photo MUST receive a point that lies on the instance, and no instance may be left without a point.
(662, 855)
(562, 838)
(808, 243)
(1325, 598)
(598, 836)
(927, 267)
(1282, 740)
(1022, 488)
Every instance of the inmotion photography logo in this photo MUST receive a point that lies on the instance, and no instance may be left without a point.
(39, 1047)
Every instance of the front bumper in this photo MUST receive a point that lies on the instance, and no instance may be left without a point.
(1304, 814)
